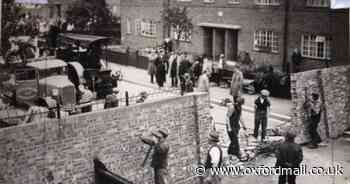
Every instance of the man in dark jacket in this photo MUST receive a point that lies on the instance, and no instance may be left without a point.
(173, 69)
(160, 158)
(289, 156)
(184, 67)
(233, 120)
(262, 111)
(160, 72)
(296, 60)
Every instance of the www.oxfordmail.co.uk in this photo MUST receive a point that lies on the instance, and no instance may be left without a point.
(336, 170)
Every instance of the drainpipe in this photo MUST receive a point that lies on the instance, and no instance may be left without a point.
(285, 35)
(166, 29)
(0, 27)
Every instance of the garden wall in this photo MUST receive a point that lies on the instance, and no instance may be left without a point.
(67, 147)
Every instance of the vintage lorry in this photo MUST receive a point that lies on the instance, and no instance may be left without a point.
(88, 62)
(38, 80)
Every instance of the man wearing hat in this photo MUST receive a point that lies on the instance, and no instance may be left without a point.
(160, 157)
(289, 156)
(214, 158)
(233, 120)
(262, 111)
(314, 108)
(236, 82)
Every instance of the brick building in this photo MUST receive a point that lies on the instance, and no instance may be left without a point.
(268, 29)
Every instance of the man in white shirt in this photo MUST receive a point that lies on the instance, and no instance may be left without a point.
(203, 82)
(214, 158)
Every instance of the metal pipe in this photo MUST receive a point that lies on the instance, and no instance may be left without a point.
(285, 36)
(126, 98)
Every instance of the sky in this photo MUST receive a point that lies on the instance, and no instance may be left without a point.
(340, 4)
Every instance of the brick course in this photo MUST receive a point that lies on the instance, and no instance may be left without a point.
(67, 147)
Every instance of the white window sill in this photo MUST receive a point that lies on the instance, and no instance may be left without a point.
(234, 3)
(267, 4)
(148, 36)
(316, 58)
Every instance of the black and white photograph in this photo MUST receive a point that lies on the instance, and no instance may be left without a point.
(175, 92)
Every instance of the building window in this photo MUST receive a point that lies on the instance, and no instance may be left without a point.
(267, 2)
(316, 46)
(147, 28)
(233, 1)
(266, 41)
(209, 1)
(318, 3)
(128, 26)
(185, 37)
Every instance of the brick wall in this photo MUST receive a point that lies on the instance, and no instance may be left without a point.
(141, 10)
(67, 147)
(334, 84)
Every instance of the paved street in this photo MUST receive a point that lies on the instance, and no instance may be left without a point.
(279, 106)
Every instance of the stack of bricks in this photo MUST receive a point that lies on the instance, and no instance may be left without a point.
(66, 148)
(334, 84)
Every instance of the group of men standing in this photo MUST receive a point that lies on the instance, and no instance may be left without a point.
(182, 69)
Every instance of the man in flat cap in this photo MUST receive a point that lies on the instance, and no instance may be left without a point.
(314, 110)
(160, 157)
(289, 156)
(262, 111)
(214, 158)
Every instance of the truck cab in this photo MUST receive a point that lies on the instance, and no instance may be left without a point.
(38, 79)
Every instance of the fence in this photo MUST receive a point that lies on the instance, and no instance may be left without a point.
(13, 117)
(127, 58)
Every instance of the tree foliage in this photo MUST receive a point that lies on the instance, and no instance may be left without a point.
(178, 20)
(89, 15)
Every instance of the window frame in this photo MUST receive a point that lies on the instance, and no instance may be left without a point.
(318, 5)
(307, 51)
(268, 2)
(233, 1)
(208, 1)
(148, 28)
(268, 39)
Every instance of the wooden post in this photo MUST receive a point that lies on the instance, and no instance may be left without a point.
(126, 98)
(214, 44)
